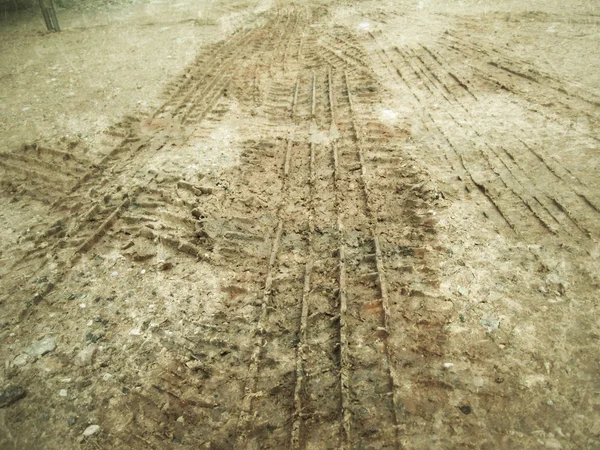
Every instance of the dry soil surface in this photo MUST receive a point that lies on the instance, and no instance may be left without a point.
(301, 225)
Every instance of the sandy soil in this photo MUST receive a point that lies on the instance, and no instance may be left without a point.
(361, 225)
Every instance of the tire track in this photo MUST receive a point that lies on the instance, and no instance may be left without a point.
(455, 157)
(546, 207)
(371, 380)
(109, 189)
(317, 416)
(195, 83)
(497, 76)
(404, 269)
(299, 353)
(238, 225)
(513, 64)
(268, 339)
(41, 172)
(544, 200)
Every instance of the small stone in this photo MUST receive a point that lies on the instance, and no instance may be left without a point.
(491, 324)
(91, 430)
(71, 421)
(180, 419)
(11, 394)
(553, 443)
(63, 393)
(20, 360)
(86, 356)
(128, 245)
(448, 365)
(95, 336)
(462, 291)
(465, 409)
(41, 347)
(478, 381)
(165, 265)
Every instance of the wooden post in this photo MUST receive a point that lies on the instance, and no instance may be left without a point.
(53, 17)
(45, 14)
(49, 14)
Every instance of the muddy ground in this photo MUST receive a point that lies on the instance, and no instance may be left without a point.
(250, 224)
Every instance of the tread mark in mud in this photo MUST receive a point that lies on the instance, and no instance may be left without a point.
(544, 205)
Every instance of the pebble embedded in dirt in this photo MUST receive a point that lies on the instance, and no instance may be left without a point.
(41, 347)
(165, 265)
(490, 323)
(11, 394)
(86, 356)
(20, 360)
(465, 409)
(91, 430)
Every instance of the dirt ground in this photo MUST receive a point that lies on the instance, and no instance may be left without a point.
(301, 225)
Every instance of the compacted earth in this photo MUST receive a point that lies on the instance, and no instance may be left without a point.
(300, 225)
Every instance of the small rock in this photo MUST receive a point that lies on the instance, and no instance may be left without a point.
(165, 265)
(462, 291)
(95, 336)
(478, 381)
(71, 420)
(91, 430)
(41, 347)
(128, 245)
(465, 409)
(63, 393)
(553, 443)
(11, 394)
(20, 360)
(86, 356)
(491, 324)
(557, 283)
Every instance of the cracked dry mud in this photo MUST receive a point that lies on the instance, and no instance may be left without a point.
(395, 247)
